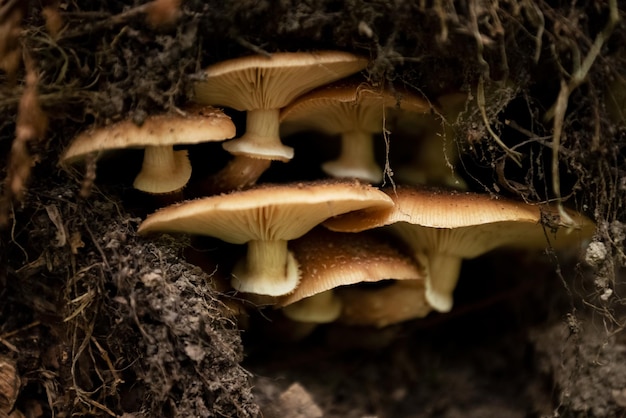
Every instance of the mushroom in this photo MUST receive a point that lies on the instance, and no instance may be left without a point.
(443, 227)
(261, 85)
(329, 260)
(164, 170)
(265, 218)
(356, 111)
(400, 301)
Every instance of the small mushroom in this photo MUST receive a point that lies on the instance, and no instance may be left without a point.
(265, 218)
(356, 111)
(164, 170)
(329, 260)
(261, 86)
(400, 301)
(443, 227)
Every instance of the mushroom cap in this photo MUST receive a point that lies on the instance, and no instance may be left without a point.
(198, 124)
(331, 259)
(465, 224)
(380, 307)
(347, 106)
(268, 212)
(260, 82)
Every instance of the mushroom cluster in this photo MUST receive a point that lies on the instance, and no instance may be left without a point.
(331, 249)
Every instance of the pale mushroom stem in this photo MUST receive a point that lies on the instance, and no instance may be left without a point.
(268, 269)
(163, 170)
(442, 276)
(321, 308)
(158, 159)
(262, 138)
(356, 159)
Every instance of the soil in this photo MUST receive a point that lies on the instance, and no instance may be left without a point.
(96, 321)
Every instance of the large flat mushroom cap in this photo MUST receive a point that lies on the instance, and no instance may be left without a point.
(485, 221)
(331, 259)
(269, 212)
(260, 82)
(198, 124)
(438, 208)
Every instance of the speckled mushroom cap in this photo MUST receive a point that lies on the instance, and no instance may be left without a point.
(158, 132)
(264, 85)
(483, 222)
(195, 125)
(266, 217)
(331, 259)
(444, 226)
(356, 110)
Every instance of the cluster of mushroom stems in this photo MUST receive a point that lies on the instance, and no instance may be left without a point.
(311, 245)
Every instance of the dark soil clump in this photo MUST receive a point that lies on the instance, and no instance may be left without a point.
(105, 323)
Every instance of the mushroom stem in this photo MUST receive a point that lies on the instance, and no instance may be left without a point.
(321, 308)
(268, 269)
(239, 173)
(356, 159)
(262, 139)
(163, 169)
(442, 276)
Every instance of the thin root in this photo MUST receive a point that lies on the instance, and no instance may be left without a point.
(560, 106)
(480, 98)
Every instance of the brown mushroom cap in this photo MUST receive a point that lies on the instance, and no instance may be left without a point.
(262, 85)
(443, 227)
(266, 218)
(355, 110)
(331, 259)
(164, 170)
(398, 302)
